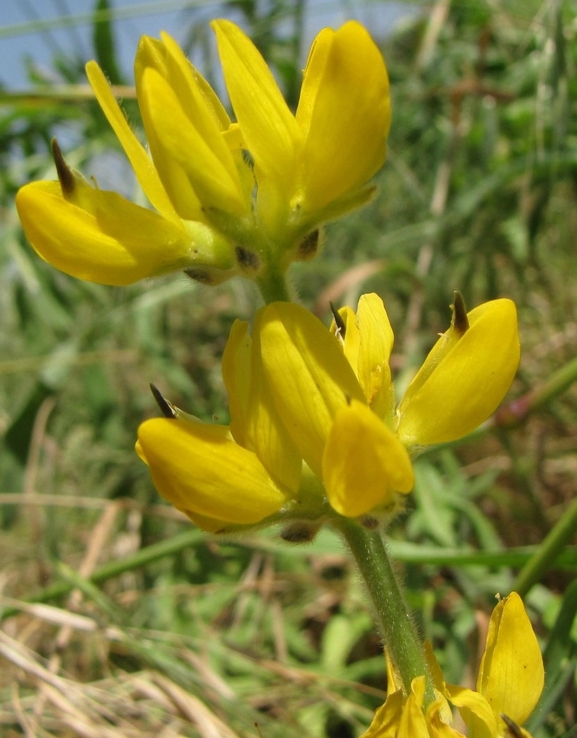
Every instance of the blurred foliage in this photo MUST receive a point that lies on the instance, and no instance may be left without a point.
(478, 194)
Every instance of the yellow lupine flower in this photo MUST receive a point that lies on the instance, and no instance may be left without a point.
(323, 386)
(205, 474)
(228, 198)
(300, 392)
(102, 237)
(452, 394)
(187, 128)
(224, 477)
(509, 684)
(315, 165)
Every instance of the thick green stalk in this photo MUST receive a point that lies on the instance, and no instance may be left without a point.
(402, 641)
(273, 285)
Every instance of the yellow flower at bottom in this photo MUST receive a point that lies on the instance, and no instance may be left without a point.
(509, 684)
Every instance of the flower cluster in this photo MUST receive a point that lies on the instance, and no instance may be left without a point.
(509, 684)
(314, 429)
(315, 434)
(245, 197)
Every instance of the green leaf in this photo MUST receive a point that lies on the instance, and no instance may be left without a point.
(103, 39)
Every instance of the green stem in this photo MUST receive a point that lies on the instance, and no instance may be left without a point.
(516, 412)
(556, 540)
(402, 641)
(273, 285)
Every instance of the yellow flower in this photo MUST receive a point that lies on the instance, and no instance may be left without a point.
(315, 165)
(334, 394)
(508, 687)
(229, 198)
(102, 237)
(299, 392)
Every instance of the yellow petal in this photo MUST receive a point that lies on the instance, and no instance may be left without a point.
(204, 473)
(196, 95)
(255, 423)
(475, 711)
(349, 337)
(413, 723)
(267, 433)
(386, 720)
(367, 340)
(236, 373)
(375, 347)
(206, 523)
(183, 129)
(511, 673)
(168, 59)
(463, 379)
(117, 243)
(308, 376)
(141, 163)
(152, 54)
(207, 113)
(364, 464)
(268, 126)
(438, 727)
(344, 113)
(214, 181)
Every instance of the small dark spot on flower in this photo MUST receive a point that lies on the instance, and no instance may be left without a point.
(247, 158)
(368, 522)
(247, 259)
(309, 245)
(299, 533)
(199, 275)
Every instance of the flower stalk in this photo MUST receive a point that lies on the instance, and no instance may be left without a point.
(273, 286)
(394, 621)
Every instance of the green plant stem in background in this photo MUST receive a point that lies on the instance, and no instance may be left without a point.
(402, 641)
(515, 413)
(543, 559)
(410, 553)
(116, 567)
